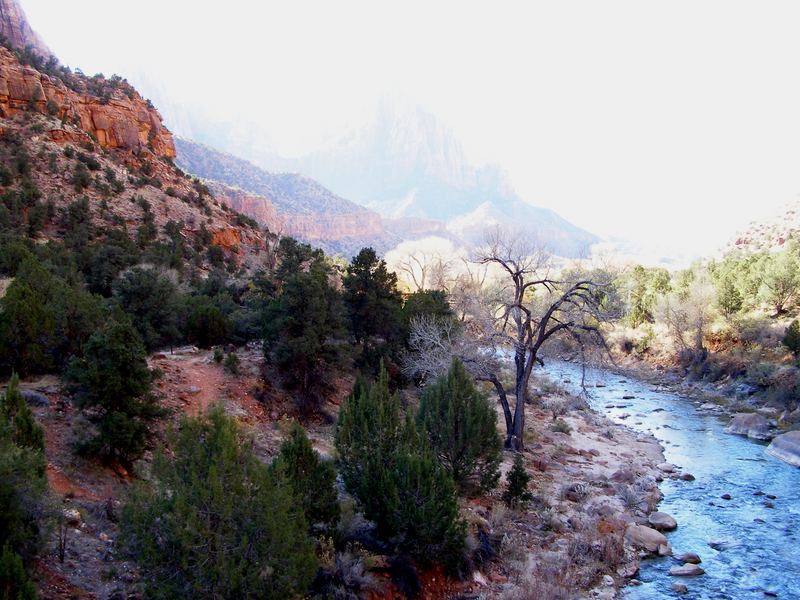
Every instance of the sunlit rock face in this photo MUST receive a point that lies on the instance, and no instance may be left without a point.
(15, 29)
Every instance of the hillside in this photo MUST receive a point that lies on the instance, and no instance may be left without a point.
(67, 137)
(287, 203)
(403, 164)
(769, 233)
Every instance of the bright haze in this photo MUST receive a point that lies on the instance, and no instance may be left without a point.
(666, 124)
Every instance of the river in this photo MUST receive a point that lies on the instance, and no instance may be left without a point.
(760, 555)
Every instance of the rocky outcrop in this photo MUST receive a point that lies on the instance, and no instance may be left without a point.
(15, 29)
(751, 425)
(786, 447)
(120, 120)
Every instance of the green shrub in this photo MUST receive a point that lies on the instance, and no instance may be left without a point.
(390, 470)
(516, 492)
(561, 426)
(14, 581)
(216, 523)
(232, 363)
(219, 355)
(25, 431)
(112, 383)
(461, 426)
(791, 338)
(207, 326)
(311, 478)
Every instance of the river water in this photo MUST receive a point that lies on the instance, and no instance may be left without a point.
(760, 553)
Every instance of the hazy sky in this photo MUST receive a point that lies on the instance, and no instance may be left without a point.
(671, 123)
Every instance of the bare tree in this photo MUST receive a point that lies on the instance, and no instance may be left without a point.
(426, 270)
(529, 308)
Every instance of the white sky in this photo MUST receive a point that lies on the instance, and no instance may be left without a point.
(670, 123)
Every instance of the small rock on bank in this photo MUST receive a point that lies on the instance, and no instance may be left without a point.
(786, 447)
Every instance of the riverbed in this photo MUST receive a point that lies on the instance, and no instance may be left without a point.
(756, 531)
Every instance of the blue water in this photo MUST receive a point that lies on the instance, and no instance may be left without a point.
(762, 553)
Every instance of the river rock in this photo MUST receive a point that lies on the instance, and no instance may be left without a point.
(608, 580)
(689, 557)
(687, 570)
(661, 521)
(786, 447)
(680, 588)
(645, 537)
(687, 477)
(666, 467)
(751, 425)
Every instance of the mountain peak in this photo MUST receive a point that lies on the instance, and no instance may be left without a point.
(16, 30)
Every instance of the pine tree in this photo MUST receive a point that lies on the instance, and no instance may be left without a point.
(14, 581)
(391, 471)
(374, 306)
(304, 328)
(113, 384)
(24, 429)
(215, 522)
(311, 478)
(729, 299)
(461, 426)
(516, 492)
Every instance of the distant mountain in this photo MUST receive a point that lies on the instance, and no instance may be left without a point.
(402, 164)
(287, 203)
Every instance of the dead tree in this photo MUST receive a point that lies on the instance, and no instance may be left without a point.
(529, 307)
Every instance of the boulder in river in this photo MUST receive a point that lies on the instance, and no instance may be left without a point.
(687, 570)
(786, 447)
(689, 557)
(661, 521)
(751, 425)
(680, 588)
(645, 537)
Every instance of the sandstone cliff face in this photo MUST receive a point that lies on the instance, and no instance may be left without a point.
(119, 121)
(15, 28)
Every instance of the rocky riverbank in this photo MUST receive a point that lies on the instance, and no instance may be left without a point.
(747, 412)
(594, 514)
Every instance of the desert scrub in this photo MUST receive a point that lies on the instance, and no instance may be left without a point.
(561, 426)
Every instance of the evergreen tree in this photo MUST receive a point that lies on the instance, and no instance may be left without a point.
(303, 333)
(23, 490)
(206, 325)
(15, 414)
(151, 300)
(791, 338)
(729, 299)
(216, 523)
(112, 383)
(14, 581)
(372, 299)
(516, 492)
(311, 478)
(390, 470)
(461, 425)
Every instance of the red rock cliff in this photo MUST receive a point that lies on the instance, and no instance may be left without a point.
(121, 120)
(15, 29)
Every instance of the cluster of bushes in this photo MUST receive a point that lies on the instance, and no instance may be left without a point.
(23, 493)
